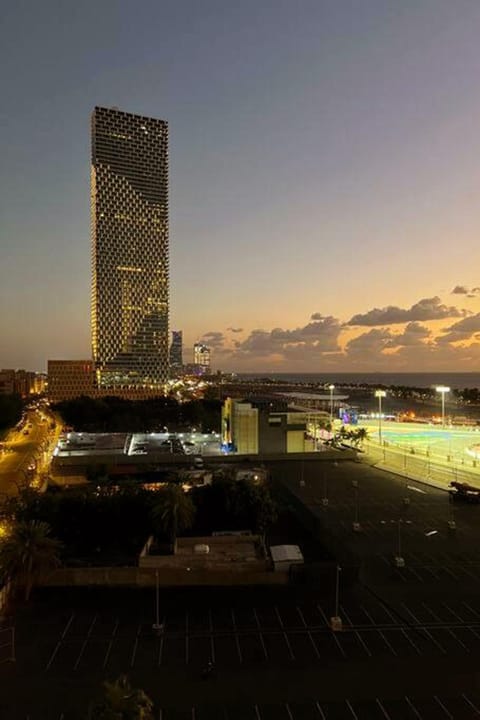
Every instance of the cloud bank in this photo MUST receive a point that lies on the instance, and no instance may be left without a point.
(325, 343)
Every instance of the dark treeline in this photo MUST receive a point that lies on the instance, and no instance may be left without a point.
(468, 395)
(111, 524)
(11, 407)
(112, 414)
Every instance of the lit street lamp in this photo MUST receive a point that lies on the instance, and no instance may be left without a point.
(443, 390)
(380, 394)
(331, 388)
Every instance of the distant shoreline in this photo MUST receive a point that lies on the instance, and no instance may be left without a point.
(456, 381)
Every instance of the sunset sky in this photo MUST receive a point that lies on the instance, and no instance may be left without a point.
(324, 175)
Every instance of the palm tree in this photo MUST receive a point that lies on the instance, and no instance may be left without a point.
(173, 512)
(122, 702)
(361, 434)
(28, 553)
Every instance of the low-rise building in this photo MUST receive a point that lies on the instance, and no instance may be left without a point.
(68, 379)
(267, 426)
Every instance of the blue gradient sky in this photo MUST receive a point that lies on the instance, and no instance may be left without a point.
(324, 161)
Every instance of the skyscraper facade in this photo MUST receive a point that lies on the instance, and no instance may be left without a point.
(130, 258)
(176, 352)
(201, 357)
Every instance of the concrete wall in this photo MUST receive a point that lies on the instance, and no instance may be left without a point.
(168, 577)
(148, 462)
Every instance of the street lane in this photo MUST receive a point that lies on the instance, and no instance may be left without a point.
(26, 452)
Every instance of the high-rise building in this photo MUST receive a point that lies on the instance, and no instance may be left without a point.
(130, 271)
(201, 357)
(176, 351)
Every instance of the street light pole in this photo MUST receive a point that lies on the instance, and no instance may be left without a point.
(380, 394)
(443, 390)
(331, 388)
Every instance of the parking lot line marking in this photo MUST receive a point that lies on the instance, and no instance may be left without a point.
(429, 569)
(423, 629)
(312, 642)
(452, 612)
(319, 608)
(107, 653)
(412, 643)
(289, 712)
(452, 633)
(84, 644)
(135, 645)
(414, 572)
(389, 613)
(385, 640)
(237, 643)
(320, 711)
(447, 712)
(474, 707)
(385, 713)
(287, 642)
(354, 714)
(285, 636)
(450, 572)
(301, 616)
(257, 713)
(413, 708)
(57, 646)
(469, 607)
(337, 641)
(193, 713)
(467, 572)
(280, 621)
(357, 634)
(260, 633)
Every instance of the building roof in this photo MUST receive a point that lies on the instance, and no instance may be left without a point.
(286, 553)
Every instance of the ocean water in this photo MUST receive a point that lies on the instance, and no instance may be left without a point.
(418, 380)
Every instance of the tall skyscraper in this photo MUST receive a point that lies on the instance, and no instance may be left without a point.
(201, 358)
(130, 278)
(176, 351)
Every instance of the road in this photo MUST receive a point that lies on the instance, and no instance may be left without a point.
(26, 452)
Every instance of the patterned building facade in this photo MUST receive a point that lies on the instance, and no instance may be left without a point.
(176, 352)
(130, 249)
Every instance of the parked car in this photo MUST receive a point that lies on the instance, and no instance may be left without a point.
(464, 491)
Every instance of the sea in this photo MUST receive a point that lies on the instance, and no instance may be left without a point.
(456, 381)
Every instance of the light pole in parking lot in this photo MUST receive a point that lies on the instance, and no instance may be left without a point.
(325, 490)
(157, 627)
(399, 559)
(380, 394)
(356, 523)
(452, 525)
(443, 390)
(336, 621)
